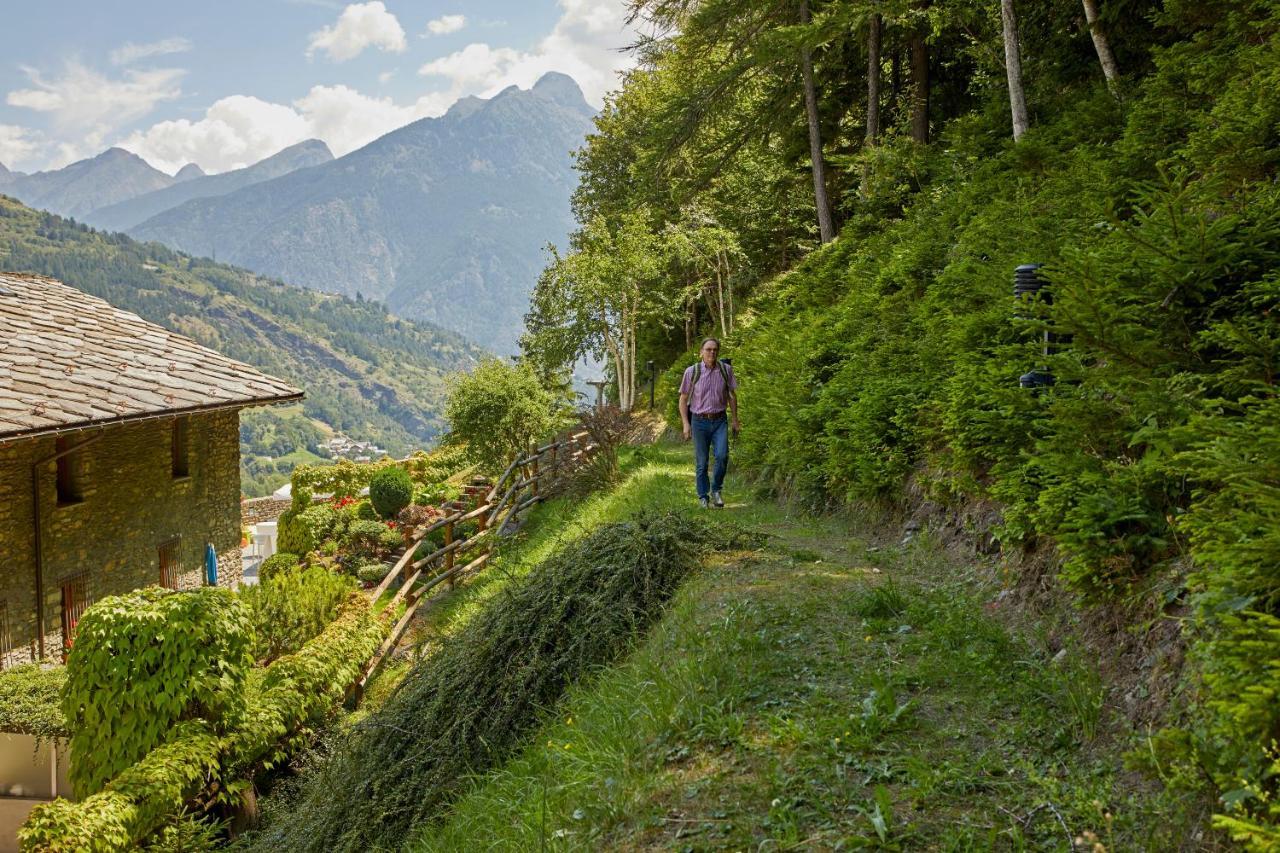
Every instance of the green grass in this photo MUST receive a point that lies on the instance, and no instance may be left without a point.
(813, 695)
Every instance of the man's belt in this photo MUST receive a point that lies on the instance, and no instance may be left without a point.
(710, 416)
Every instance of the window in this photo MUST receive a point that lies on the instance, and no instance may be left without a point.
(6, 639)
(169, 569)
(75, 600)
(68, 478)
(181, 445)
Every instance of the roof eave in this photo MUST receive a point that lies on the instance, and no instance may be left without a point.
(40, 432)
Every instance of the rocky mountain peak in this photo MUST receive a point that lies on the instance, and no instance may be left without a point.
(188, 172)
(562, 89)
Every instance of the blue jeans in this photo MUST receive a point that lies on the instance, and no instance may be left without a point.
(710, 434)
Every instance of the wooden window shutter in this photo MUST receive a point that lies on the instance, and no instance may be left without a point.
(169, 569)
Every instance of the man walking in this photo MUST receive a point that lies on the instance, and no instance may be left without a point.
(708, 393)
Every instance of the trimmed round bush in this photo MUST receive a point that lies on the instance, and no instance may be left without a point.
(281, 561)
(390, 491)
(371, 572)
(368, 538)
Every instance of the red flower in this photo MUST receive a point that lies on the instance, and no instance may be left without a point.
(391, 525)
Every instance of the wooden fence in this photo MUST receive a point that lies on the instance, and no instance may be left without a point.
(527, 481)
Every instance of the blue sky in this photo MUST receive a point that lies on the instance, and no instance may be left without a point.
(225, 84)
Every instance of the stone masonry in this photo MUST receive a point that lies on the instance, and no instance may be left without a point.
(130, 506)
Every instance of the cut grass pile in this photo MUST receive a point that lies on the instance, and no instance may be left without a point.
(468, 706)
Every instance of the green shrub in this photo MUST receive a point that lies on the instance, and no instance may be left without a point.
(372, 572)
(365, 540)
(301, 533)
(292, 692)
(291, 607)
(436, 494)
(278, 563)
(31, 700)
(499, 410)
(438, 465)
(390, 491)
(145, 661)
(365, 511)
(580, 609)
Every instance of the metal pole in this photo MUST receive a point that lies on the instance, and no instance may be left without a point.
(653, 382)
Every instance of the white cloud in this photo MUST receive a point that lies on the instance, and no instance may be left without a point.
(385, 77)
(234, 132)
(585, 44)
(446, 24)
(129, 53)
(81, 98)
(241, 130)
(86, 106)
(360, 25)
(17, 144)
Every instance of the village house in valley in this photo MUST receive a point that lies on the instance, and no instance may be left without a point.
(119, 459)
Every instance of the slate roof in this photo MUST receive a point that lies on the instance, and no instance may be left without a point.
(70, 360)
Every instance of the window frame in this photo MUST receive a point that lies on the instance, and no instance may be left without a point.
(67, 479)
(180, 447)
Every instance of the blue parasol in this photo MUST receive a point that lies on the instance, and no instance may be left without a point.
(210, 565)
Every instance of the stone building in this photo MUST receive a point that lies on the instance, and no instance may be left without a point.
(119, 459)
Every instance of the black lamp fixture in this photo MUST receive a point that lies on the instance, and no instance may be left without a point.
(653, 381)
(1029, 284)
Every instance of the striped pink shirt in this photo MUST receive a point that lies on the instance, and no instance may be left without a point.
(710, 397)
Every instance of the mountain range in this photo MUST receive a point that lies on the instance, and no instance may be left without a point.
(445, 219)
(129, 213)
(113, 176)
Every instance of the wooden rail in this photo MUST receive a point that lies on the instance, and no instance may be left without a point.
(527, 481)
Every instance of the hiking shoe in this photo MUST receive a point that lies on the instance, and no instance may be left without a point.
(717, 501)
(702, 502)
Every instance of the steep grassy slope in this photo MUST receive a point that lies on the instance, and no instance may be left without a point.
(825, 693)
(366, 372)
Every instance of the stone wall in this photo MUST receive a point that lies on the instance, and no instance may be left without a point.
(254, 510)
(130, 504)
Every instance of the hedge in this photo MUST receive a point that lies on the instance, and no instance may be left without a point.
(140, 799)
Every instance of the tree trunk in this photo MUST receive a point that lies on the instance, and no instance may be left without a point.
(826, 225)
(728, 288)
(1013, 69)
(895, 77)
(919, 86)
(1102, 45)
(873, 80)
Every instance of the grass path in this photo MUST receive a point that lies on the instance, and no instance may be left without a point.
(815, 694)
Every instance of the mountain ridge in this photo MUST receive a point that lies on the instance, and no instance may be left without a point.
(131, 212)
(445, 218)
(86, 185)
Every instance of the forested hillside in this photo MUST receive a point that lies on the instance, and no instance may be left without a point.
(365, 372)
(844, 189)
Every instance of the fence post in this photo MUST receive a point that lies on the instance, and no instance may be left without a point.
(555, 463)
(448, 557)
(535, 476)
